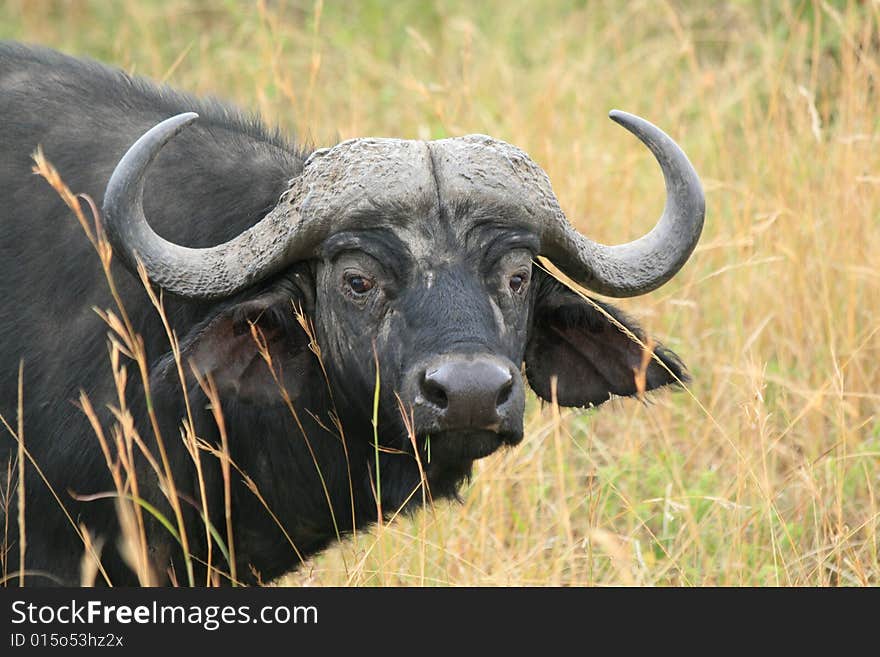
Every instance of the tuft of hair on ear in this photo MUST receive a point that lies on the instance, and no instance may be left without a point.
(673, 364)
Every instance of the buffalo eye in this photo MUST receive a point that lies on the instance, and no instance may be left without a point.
(518, 282)
(358, 283)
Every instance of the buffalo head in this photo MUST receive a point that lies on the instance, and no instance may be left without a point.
(419, 258)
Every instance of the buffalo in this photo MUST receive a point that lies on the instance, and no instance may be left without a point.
(345, 329)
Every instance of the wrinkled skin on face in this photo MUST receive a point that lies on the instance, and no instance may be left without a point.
(459, 296)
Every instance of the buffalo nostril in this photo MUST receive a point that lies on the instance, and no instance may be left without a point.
(434, 392)
(504, 393)
(468, 392)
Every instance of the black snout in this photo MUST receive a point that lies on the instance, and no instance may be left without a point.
(467, 392)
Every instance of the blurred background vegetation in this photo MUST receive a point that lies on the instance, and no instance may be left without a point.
(766, 470)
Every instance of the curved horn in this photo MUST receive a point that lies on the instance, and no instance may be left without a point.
(643, 265)
(207, 273)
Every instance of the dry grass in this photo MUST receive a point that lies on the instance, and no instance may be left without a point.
(766, 470)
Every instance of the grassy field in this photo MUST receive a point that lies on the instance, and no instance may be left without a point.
(766, 470)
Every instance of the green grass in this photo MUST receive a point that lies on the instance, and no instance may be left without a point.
(766, 470)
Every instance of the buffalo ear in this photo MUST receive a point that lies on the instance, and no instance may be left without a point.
(231, 347)
(591, 358)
